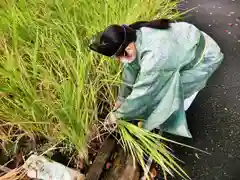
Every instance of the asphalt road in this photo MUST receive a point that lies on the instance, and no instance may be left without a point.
(214, 117)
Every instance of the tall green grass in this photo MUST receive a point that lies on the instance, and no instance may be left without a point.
(50, 83)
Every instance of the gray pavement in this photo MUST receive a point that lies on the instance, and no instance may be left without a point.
(214, 117)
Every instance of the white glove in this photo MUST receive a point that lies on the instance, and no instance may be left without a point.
(110, 122)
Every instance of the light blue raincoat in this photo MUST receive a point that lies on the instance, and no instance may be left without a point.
(171, 65)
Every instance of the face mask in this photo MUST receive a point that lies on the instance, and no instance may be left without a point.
(126, 60)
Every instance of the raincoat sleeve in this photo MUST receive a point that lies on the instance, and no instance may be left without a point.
(148, 82)
(128, 79)
(156, 97)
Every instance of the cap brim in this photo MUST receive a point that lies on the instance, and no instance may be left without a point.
(95, 41)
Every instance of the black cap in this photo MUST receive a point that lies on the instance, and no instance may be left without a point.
(107, 46)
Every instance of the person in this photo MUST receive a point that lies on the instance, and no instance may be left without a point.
(166, 64)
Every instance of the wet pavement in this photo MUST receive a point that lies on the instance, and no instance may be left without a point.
(214, 117)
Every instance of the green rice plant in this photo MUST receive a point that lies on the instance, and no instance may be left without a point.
(51, 85)
(141, 143)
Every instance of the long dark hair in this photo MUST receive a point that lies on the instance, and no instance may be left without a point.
(115, 38)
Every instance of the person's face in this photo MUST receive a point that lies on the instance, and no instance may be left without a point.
(129, 55)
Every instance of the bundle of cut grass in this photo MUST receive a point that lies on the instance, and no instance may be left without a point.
(51, 85)
(141, 143)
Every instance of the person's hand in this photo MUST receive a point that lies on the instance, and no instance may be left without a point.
(117, 105)
(110, 122)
